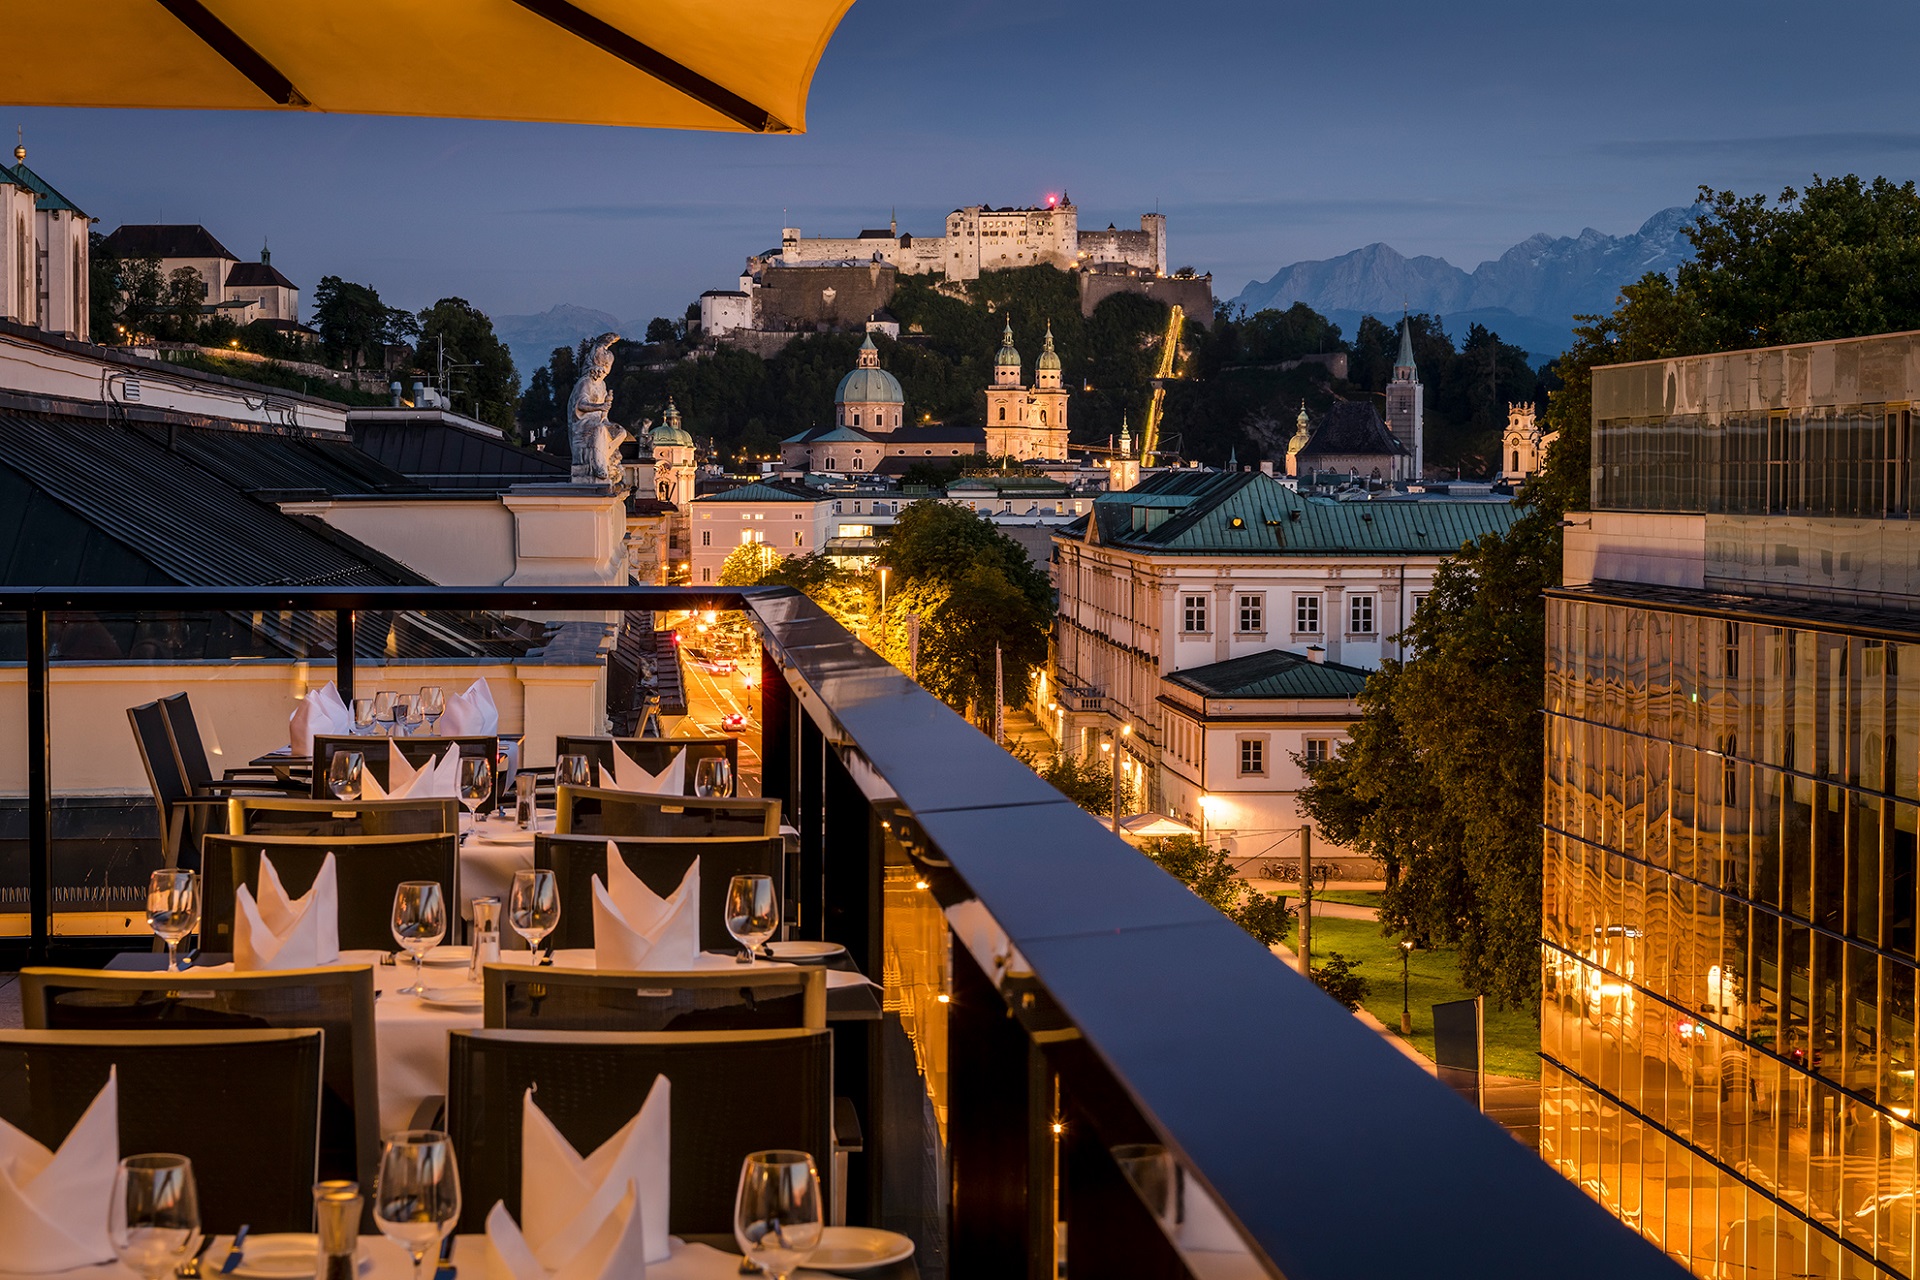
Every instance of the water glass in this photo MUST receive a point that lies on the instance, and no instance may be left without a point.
(345, 773)
(753, 912)
(476, 782)
(416, 1199)
(573, 771)
(153, 1222)
(433, 701)
(363, 716)
(713, 777)
(776, 1212)
(406, 714)
(533, 906)
(383, 708)
(419, 923)
(173, 908)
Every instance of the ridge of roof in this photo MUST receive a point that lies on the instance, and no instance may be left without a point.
(766, 491)
(1276, 673)
(45, 197)
(166, 240)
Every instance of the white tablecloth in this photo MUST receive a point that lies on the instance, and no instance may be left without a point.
(490, 855)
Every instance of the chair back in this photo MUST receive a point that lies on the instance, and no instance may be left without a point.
(182, 1091)
(299, 816)
(755, 998)
(733, 1093)
(596, 811)
(338, 1000)
(163, 773)
(652, 754)
(660, 864)
(378, 754)
(367, 870)
(189, 751)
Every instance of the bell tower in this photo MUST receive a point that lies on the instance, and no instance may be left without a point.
(1406, 406)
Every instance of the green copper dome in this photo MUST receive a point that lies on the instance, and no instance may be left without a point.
(1008, 357)
(868, 383)
(670, 432)
(1048, 358)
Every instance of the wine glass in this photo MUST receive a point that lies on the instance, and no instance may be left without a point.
(406, 714)
(173, 908)
(416, 1198)
(344, 774)
(383, 709)
(419, 923)
(363, 716)
(776, 1213)
(753, 912)
(533, 906)
(433, 701)
(476, 783)
(713, 777)
(573, 771)
(154, 1219)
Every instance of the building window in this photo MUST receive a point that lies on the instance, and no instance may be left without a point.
(1419, 598)
(1003, 413)
(1318, 750)
(799, 538)
(832, 465)
(706, 537)
(1253, 757)
(1306, 615)
(1194, 614)
(706, 573)
(1253, 613)
(1360, 616)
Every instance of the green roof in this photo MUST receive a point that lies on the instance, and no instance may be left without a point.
(1277, 673)
(45, 197)
(764, 491)
(1193, 512)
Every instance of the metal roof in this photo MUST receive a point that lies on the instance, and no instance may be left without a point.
(45, 198)
(766, 491)
(1351, 427)
(441, 455)
(166, 240)
(257, 274)
(1192, 512)
(1277, 673)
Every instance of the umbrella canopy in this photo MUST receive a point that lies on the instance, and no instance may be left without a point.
(1154, 826)
(742, 65)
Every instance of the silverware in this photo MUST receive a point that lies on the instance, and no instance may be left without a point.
(446, 1270)
(238, 1250)
(190, 1269)
(748, 1267)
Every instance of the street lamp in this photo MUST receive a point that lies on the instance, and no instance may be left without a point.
(1126, 731)
(883, 588)
(748, 681)
(1406, 1014)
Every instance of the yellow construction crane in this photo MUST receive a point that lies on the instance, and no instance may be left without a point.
(1169, 347)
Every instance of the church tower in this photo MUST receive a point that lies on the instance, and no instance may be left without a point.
(1006, 400)
(1406, 406)
(673, 469)
(1047, 408)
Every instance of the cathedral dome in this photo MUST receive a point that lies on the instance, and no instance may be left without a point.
(1048, 358)
(1008, 357)
(868, 383)
(670, 432)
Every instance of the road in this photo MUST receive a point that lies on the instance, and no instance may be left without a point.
(709, 699)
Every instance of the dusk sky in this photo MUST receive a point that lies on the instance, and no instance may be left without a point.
(1267, 132)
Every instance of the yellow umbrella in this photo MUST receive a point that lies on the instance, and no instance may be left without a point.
(736, 65)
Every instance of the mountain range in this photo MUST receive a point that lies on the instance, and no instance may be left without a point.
(532, 339)
(1528, 295)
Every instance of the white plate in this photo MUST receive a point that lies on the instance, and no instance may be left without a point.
(269, 1257)
(801, 952)
(859, 1249)
(448, 957)
(461, 998)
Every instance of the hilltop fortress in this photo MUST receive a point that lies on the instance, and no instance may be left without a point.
(982, 238)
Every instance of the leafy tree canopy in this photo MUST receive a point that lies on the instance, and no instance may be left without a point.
(355, 325)
(482, 377)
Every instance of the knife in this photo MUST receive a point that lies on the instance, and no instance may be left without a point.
(446, 1270)
(237, 1252)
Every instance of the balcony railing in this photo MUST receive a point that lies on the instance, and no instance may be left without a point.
(1076, 697)
(1048, 995)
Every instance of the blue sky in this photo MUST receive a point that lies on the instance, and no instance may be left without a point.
(1267, 132)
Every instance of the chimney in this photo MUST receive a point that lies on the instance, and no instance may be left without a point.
(1316, 653)
(1266, 466)
(395, 389)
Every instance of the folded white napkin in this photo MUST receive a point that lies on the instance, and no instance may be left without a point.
(53, 1205)
(634, 928)
(628, 774)
(321, 711)
(279, 932)
(469, 714)
(603, 1215)
(437, 779)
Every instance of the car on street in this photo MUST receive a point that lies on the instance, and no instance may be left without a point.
(733, 721)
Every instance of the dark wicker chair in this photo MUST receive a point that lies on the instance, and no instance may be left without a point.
(733, 1093)
(367, 869)
(184, 817)
(652, 754)
(337, 1000)
(301, 816)
(182, 1091)
(753, 998)
(660, 863)
(596, 811)
(190, 752)
(378, 754)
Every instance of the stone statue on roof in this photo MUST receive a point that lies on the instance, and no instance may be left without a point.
(595, 438)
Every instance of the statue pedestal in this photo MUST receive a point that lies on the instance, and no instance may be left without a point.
(568, 535)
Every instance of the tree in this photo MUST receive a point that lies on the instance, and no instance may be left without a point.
(543, 408)
(127, 292)
(185, 294)
(661, 331)
(845, 594)
(1337, 978)
(1083, 779)
(481, 373)
(355, 326)
(1208, 872)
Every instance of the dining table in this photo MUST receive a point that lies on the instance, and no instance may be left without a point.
(694, 1257)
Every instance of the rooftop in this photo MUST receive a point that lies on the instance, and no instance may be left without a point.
(434, 448)
(257, 275)
(1351, 427)
(767, 491)
(165, 240)
(1278, 673)
(45, 198)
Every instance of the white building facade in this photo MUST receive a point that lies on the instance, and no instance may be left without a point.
(982, 238)
(45, 272)
(791, 519)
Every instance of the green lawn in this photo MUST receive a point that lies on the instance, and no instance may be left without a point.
(1352, 897)
(1513, 1037)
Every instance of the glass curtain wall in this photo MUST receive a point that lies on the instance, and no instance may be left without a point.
(1729, 960)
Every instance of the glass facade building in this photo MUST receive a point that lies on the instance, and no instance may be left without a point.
(1732, 796)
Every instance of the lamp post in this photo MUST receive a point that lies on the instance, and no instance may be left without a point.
(748, 680)
(1126, 730)
(883, 589)
(1306, 902)
(1406, 1013)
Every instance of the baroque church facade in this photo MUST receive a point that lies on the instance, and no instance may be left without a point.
(1026, 422)
(44, 254)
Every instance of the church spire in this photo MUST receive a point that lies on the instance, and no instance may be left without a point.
(1403, 368)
